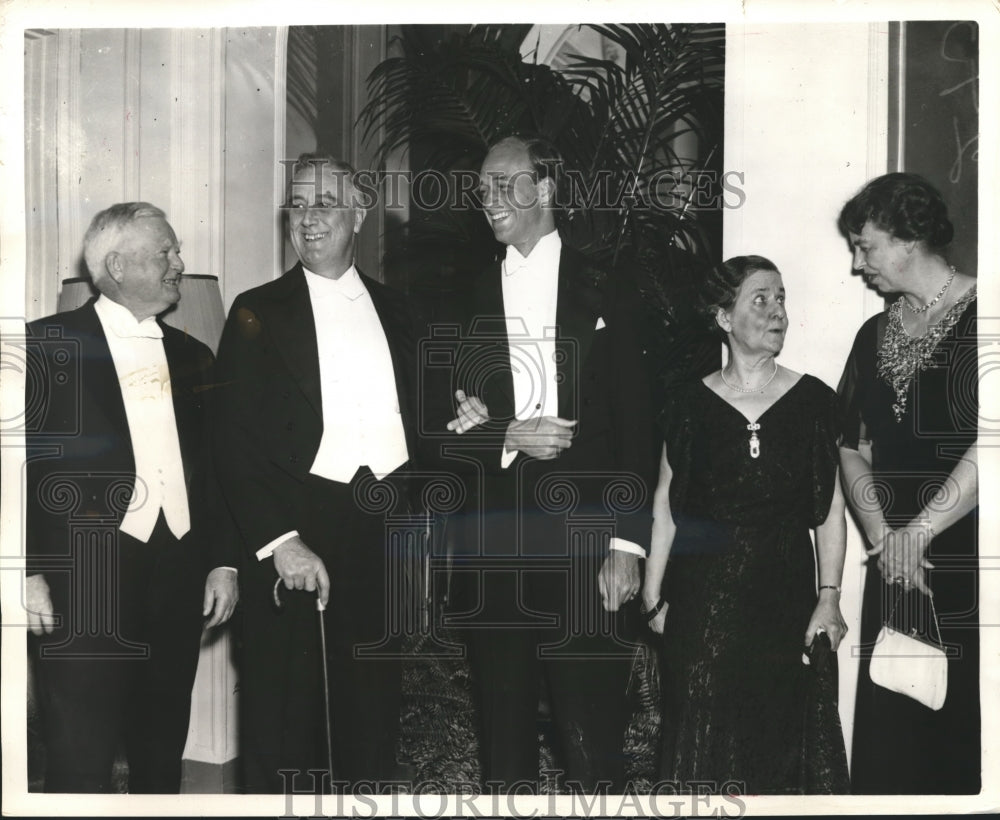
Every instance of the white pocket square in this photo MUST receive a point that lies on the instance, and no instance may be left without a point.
(600, 323)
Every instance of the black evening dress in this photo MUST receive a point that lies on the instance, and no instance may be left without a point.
(741, 711)
(901, 746)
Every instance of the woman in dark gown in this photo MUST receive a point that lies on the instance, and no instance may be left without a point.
(749, 467)
(908, 457)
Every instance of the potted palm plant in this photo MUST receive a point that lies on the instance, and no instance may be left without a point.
(638, 201)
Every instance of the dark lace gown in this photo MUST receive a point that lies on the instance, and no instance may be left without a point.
(900, 746)
(740, 709)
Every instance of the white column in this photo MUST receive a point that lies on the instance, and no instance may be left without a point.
(253, 144)
(195, 105)
(40, 172)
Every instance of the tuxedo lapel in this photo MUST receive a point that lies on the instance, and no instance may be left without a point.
(402, 349)
(578, 308)
(491, 365)
(98, 374)
(187, 380)
(291, 324)
(577, 312)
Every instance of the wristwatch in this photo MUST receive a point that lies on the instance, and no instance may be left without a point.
(653, 611)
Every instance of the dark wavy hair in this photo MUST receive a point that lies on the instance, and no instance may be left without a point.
(723, 284)
(906, 206)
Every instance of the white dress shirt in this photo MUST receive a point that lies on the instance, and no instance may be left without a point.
(362, 424)
(530, 286)
(144, 377)
(530, 294)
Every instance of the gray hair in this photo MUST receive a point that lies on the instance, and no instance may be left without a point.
(105, 232)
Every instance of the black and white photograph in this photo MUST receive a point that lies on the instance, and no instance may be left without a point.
(559, 409)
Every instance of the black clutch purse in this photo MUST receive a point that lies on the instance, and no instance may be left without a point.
(819, 653)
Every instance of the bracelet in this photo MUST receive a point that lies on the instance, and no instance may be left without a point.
(652, 612)
(829, 586)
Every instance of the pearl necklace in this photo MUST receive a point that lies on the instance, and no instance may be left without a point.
(932, 302)
(760, 389)
(753, 427)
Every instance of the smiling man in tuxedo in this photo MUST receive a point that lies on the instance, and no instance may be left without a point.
(553, 407)
(121, 522)
(312, 429)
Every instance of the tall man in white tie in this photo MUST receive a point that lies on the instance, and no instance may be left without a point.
(312, 436)
(126, 550)
(553, 407)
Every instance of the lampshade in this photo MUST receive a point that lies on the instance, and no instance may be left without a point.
(199, 312)
(75, 292)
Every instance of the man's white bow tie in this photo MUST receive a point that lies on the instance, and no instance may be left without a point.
(140, 330)
(514, 263)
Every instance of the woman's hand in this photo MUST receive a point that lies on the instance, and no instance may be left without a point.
(659, 620)
(903, 559)
(826, 617)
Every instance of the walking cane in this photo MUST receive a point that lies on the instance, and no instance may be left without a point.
(326, 673)
(326, 690)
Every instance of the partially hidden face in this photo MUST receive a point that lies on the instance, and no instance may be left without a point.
(150, 266)
(757, 321)
(514, 199)
(882, 258)
(323, 219)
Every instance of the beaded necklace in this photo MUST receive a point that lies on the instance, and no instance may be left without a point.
(902, 355)
(916, 311)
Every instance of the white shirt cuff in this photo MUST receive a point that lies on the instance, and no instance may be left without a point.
(622, 545)
(268, 550)
(508, 458)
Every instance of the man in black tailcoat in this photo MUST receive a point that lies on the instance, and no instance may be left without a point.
(553, 409)
(313, 434)
(126, 550)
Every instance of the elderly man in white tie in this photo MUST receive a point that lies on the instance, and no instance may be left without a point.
(314, 433)
(553, 407)
(127, 552)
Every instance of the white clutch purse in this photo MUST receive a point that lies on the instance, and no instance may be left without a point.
(910, 665)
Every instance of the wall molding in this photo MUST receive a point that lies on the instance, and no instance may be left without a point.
(280, 110)
(877, 161)
(197, 136)
(41, 285)
(132, 85)
(69, 143)
(217, 155)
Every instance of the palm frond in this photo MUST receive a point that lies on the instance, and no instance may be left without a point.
(621, 120)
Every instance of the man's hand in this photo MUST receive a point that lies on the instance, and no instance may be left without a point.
(543, 437)
(221, 594)
(301, 568)
(471, 413)
(38, 603)
(618, 580)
